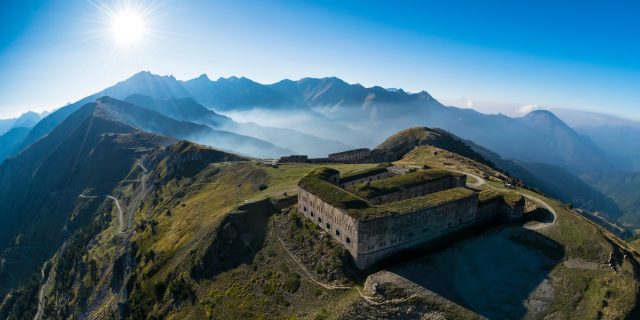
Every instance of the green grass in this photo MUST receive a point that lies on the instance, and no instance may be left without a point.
(578, 293)
(284, 178)
(398, 183)
(509, 198)
(315, 183)
(272, 286)
(590, 294)
(412, 205)
(359, 174)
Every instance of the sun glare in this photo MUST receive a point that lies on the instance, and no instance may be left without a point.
(127, 27)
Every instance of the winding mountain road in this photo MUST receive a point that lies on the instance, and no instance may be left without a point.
(120, 212)
(541, 225)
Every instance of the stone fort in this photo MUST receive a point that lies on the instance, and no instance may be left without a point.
(376, 213)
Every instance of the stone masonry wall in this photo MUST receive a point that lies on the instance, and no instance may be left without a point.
(342, 227)
(350, 156)
(374, 177)
(385, 236)
(444, 183)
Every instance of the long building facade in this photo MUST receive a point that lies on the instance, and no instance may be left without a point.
(372, 239)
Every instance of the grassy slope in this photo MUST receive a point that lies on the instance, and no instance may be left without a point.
(579, 293)
(168, 245)
(177, 222)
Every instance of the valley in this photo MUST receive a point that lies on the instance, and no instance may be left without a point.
(115, 213)
(319, 160)
(189, 215)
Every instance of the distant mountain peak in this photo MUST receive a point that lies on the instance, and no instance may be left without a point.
(541, 112)
(544, 116)
(424, 95)
(144, 75)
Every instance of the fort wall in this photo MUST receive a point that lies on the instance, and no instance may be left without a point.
(444, 183)
(350, 156)
(369, 240)
(382, 237)
(342, 227)
(370, 178)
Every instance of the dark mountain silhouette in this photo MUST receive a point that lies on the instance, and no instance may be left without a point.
(90, 152)
(141, 83)
(10, 140)
(155, 122)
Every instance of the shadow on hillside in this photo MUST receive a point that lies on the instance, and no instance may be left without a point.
(499, 275)
(539, 215)
(239, 237)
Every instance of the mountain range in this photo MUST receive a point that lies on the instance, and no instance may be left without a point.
(101, 218)
(320, 116)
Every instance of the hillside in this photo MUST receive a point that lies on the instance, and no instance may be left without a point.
(187, 109)
(198, 233)
(623, 188)
(155, 122)
(88, 153)
(567, 281)
(11, 139)
(548, 179)
(404, 141)
(557, 183)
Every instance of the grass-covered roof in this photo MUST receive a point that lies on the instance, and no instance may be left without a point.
(359, 208)
(381, 187)
(411, 205)
(316, 183)
(509, 198)
(360, 174)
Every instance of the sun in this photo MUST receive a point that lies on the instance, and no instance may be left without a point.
(128, 27)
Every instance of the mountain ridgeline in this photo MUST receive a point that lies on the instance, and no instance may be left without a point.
(112, 215)
(320, 116)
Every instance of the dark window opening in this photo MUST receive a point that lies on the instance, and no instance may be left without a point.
(348, 240)
(305, 209)
(319, 219)
(312, 213)
(337, 232)
(328, 226)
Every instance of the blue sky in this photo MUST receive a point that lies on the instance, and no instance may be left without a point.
(563, 54)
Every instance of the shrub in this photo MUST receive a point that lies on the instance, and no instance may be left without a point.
(292, 284)
(159, 289)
